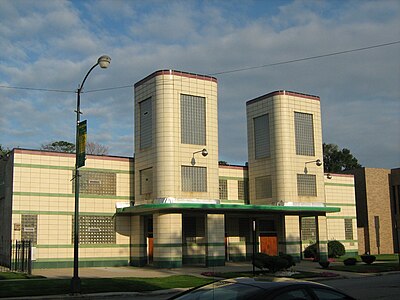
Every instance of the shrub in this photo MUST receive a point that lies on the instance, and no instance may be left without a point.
(351, 261)
(335, 249)
(368, 259)
(272, 263)
(311, 251)
(324, 264)
(289, 259)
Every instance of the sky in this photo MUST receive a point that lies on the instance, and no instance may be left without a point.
(47, 47)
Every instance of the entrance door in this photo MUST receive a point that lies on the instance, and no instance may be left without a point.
(269, 244)
(150, 247)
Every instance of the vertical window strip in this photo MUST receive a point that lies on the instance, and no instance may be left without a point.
(304, 134)
(193, 120)
(194, 179)
(146, 123)
(261, 136)
(348, 229)
(223, 189)
(306, 185)
(263, 187)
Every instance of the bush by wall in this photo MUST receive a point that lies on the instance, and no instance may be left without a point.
(351, 261)
(335, 249)
(273, 263)
(368, 259)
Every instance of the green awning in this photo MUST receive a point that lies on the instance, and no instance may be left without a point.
(224, 208)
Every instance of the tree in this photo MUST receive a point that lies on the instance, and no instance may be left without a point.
(96, 148)
(4, 151)
(336, 160)
(59, 146)
(63, 146)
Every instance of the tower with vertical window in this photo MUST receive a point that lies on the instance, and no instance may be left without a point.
(284, 143)
(175, 119)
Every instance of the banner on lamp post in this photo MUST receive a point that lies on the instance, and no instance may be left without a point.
(82, 133)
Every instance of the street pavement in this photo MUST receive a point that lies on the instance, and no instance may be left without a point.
(152, 272)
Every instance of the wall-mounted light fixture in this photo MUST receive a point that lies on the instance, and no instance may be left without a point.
(329, 176)
(318, 162)
(203, 152)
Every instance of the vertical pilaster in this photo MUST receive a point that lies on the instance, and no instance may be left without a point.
(323, 238)
(138, 252)
(292, 236)
(215, 232)
(167, 233)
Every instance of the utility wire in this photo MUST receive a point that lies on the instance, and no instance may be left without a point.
(221, 72)
(304, 59)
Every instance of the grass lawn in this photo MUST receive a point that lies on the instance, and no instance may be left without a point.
(14, 275)
(301, 275)
(364, 268)
(41, 287)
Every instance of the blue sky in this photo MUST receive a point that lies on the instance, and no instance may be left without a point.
(52, 44)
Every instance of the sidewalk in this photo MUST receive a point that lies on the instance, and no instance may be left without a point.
(149, 271)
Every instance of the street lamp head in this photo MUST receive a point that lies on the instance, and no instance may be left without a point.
(318, 162)
(204, 152)
(104, 61)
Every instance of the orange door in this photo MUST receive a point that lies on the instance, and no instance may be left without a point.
(150, 247)
(269, 245)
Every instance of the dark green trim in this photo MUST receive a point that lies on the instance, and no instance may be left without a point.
(138, 261)
(70, 168)
(167, 262)
(225, 201)
(341, 217)
(214, 261)
(37, 194)
(232, 178)
(83, 246)
(62, 213)
(83, 263)
(167, 245)
(138, 245)
(222, 208)
(193, 259)
(340, 204)
(339, 184)
(237, 257)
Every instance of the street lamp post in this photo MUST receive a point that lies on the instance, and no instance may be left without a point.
(103, 62)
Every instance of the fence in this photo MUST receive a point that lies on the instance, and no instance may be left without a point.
(21, 257)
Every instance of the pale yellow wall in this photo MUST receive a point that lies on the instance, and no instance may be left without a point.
(167, 154)
(283, 164)
(233, 174)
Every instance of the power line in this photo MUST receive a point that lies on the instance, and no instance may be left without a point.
(304, 59)
(221, 72)
(34, 89)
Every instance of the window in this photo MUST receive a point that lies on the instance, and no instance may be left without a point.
(261, 136)
(306, 185)
(243, 190)
(308, 229)
(193, 120)
(146, 123)
(263, 187)
(194, 179)
(95, 230)
(97, 183)
(223, 189)
(348, 229)
(29, 228)
(304, 133)
(146, 181)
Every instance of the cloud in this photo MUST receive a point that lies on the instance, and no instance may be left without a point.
(52, 44)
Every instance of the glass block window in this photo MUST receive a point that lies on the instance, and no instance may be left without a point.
(348, 229)
(261, 136)
(243, 190)
(308, 229)
(29, 228)
(97, 183)
(146, 181)
(95, 230)
(223, 189)
(146, 123)
(304, 133)
(194, 179)
(193, 120)
(263, 187)
(306, 185)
